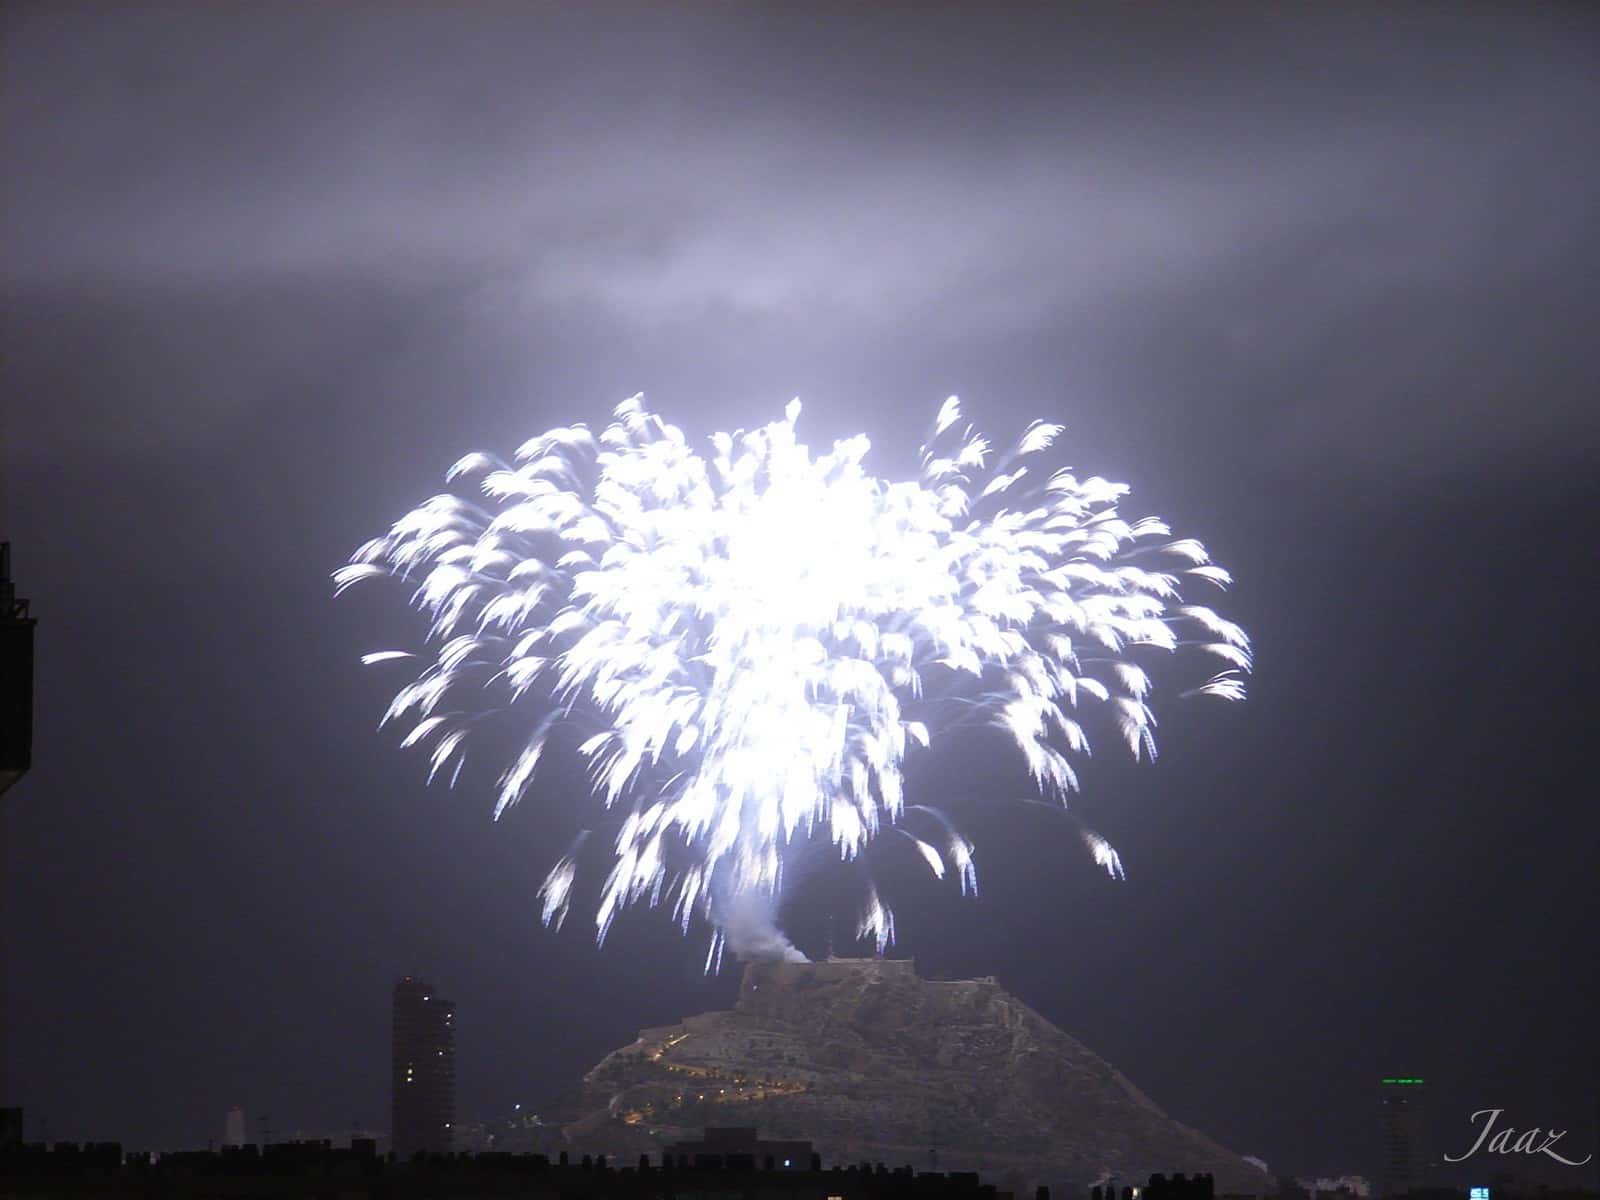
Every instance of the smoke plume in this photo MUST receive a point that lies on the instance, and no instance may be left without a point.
(749, 921)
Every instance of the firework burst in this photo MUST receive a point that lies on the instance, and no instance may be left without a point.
(754, 639)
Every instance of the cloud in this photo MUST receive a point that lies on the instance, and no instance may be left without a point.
(1345, 191)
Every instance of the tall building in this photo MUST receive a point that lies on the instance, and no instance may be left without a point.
(16, 755)
(233, 1128)
(1405, 1134)
(424, 1069)
(16, 678)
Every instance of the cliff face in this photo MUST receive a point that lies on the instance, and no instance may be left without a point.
(872, 1063)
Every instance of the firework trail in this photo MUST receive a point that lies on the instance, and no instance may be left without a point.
(753, 639)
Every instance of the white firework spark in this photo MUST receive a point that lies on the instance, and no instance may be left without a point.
(758, 637)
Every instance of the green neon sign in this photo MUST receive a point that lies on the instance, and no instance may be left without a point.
(1410, 1080)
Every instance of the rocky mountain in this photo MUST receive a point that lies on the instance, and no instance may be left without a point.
(872, 1063)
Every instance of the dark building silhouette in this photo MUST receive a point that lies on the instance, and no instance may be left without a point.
(424, 1069)
(16, 678)
(10, 1127)
(1404, 1114)
(730, 1145)
(1160, 1187)
(314, 1168)
(1179, 1187)
(16, 756)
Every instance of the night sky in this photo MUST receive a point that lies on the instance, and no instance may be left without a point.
(1319, 281)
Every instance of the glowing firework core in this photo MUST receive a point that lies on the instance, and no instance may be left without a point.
(756, 636)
